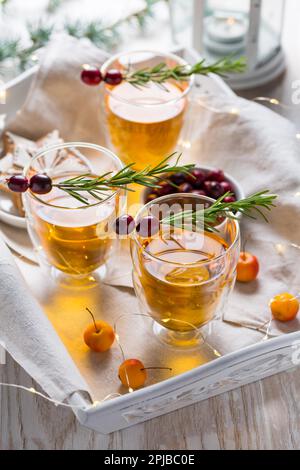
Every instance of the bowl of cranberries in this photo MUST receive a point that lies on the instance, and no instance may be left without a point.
(204, 181)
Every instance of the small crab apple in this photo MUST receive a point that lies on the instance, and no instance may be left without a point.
(284, 307)
(132, 373)
(99, 335)
(247, 267)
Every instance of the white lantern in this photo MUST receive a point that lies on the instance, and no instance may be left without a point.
(218, 28)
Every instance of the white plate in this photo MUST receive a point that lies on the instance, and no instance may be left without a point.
(8, 212)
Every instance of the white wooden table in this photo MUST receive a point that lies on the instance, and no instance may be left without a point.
(263, 415)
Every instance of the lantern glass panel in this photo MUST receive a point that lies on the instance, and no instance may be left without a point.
(270, 29)
(182, 21)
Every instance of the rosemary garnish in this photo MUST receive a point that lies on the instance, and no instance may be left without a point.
(209, 217)
(95, 187)
(160, 73)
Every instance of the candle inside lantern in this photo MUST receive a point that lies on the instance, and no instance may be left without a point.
(226, 29)
(225, 34)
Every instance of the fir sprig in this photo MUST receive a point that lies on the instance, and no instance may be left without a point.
(8, 48)
(210, 216)
(160, 73)
(105, 36)
(95, 187)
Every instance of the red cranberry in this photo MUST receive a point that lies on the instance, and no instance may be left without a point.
(40, 184)
(148, 226)
(178, 178)
(164, 188)
(185, 188)
(113, 77)
(220, 219)
(199, 192)
(91, 76)
(196, 177)
(215, 175)
(227, 188)
(124, 224)
(213, 189)
(151, 197)
(18, 183)
(229, 199)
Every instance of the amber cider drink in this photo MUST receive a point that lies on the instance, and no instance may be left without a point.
(145, 127)
(181, 289)
(75, 242)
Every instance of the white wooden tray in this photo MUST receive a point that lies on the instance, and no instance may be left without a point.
(223, 374)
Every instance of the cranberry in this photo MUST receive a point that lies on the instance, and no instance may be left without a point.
(185, 188)
(151, 197)
(113, 77)
(216, 175)
(220, 219)
(164, 188)
(148, 226)
(91, 76)
(18, 183)
(124, 224)
(229, 199)
(178, 178)
(40, 184)
(196, 177)
(199, 192)
(227, 188)
(213, 189)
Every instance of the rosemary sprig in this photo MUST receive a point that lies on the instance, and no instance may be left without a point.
(160, 73)
(95, 187)
(208, 218)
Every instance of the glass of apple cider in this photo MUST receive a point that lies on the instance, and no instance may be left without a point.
(144, 123)
(71, 238)
(183, 275)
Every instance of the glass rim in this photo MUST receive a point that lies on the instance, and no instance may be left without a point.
(180, 60)
(63, 145)
(135, 239)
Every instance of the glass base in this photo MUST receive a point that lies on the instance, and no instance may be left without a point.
(85, 281)
(185, 340)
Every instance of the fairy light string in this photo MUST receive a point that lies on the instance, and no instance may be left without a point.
(279, 247)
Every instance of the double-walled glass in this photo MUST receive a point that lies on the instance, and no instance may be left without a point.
(182, 277)
(71, 238)
(144, 122)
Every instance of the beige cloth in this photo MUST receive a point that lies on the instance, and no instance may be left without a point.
(255, 145)
(59, 100)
